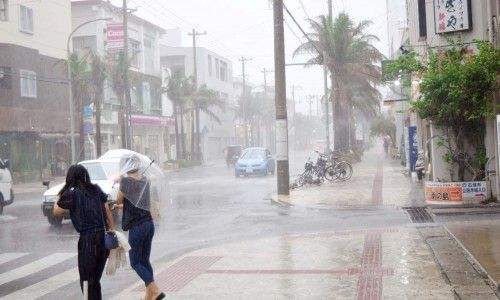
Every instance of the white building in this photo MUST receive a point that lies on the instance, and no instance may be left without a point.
(151, 129)
(395, 99)
(216, 72)
(480, 21)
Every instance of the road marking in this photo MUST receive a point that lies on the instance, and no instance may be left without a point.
(7, 218)
(6, 257)
(34, 267)
(44, 287)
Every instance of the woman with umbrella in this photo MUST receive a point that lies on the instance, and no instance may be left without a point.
(140, 183)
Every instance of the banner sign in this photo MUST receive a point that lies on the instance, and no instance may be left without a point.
(114, 37)
(413, 146)
(452, 15)
(151, 120)
(467, 192)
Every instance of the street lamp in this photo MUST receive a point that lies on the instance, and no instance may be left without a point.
(70, 86)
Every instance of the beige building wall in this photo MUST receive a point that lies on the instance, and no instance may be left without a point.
(51, 26)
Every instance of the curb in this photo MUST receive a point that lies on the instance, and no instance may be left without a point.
(475, 263)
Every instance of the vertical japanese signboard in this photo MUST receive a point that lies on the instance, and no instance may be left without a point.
(452, 15)
(114, 37)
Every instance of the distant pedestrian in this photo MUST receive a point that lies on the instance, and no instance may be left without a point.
(387, 144)
(90, 216)
(134, 197)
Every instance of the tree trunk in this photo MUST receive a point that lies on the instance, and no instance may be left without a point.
(81, 137)
(177, 141)
(192, 135)
(198, 135)
(340, 118)
(97, 104)
(121, 120)
(183, 138)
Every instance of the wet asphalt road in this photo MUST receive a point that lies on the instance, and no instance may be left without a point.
(208, 206)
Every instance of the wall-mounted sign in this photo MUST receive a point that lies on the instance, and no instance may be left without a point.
(114, 37)
(463, 192)
(452, 15)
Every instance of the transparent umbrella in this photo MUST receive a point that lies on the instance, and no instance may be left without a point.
(144, 183)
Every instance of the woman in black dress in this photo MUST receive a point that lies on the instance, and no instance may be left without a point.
(90, 216)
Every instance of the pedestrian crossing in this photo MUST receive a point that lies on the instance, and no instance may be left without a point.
(22, 265)
(6, 257)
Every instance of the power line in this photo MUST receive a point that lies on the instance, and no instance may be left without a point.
(304, 9)
(191, 25)
(293, 32)
(301, 29)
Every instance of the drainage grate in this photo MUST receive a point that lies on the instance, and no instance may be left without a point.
(419, 215)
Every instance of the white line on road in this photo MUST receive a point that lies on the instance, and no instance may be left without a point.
(34, 267)
(6, 257)
(44, 287)
(6, 218)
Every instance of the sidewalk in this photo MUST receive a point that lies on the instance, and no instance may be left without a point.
(376, 183)
(386, 263)
(404, 262)
(481, 239)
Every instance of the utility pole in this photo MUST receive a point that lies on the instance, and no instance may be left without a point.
(127, 124)
(244, 97)
(325, 85)
(283, 172)
(195, 140)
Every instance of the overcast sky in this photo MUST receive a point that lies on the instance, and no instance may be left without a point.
(245, 28)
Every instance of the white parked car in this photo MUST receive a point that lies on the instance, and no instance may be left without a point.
(6, 193)
(103, 172)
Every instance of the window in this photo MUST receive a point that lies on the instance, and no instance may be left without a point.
(422, 19)
(25, 19)
(149, 54)
(28, 83)
(134, 50)
(4, 10)
(5, 78)
(146, 97)
(210, 65)
(217, 68)
(85, 44)
(223, 71)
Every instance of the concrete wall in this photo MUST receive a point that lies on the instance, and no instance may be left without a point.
(51, 27)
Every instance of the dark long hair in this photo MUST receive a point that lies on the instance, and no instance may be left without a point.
(78, 177)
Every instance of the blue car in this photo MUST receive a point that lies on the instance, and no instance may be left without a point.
(255, 160)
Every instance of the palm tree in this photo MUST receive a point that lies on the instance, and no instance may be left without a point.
(207, 101)
(179, 89)
(97, 77)
(116, 71)
(80, 77)
(351, 58)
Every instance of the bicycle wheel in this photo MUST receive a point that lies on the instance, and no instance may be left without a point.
(344, 171)
(299, 181)
(330, 174)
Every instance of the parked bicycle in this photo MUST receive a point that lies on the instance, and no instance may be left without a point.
(330, 168)
(341, 167)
